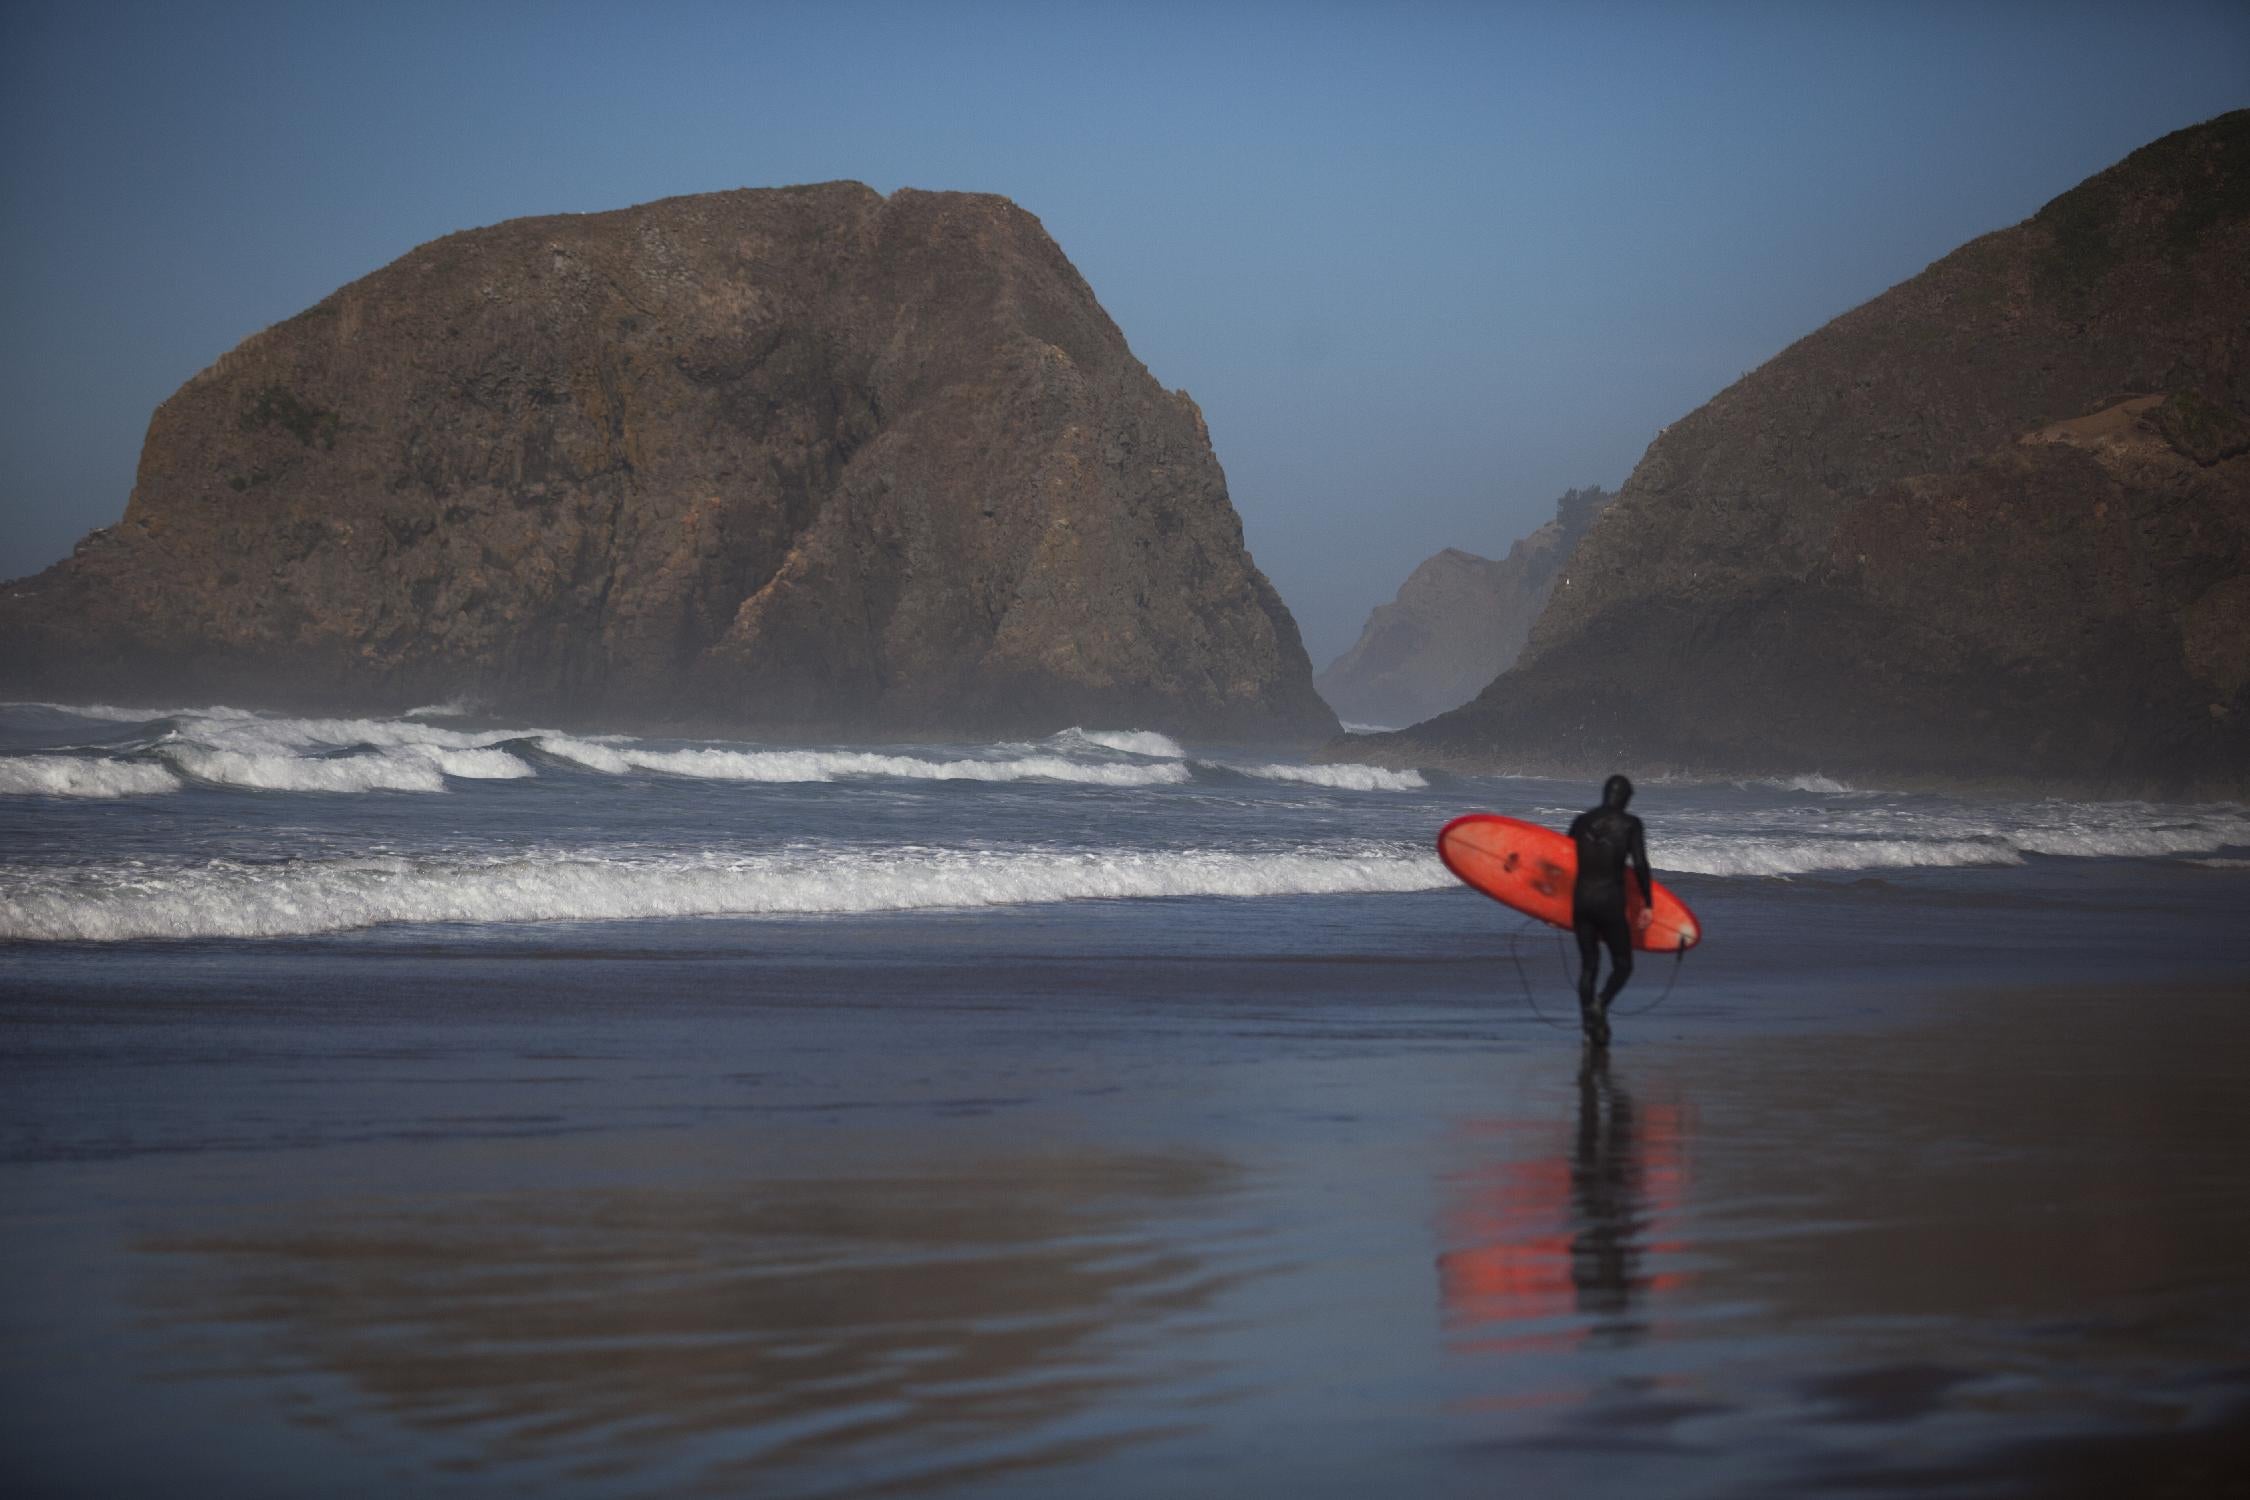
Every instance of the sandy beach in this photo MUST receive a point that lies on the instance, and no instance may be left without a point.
(850, 1211)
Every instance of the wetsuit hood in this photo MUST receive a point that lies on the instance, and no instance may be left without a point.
(1616, 792)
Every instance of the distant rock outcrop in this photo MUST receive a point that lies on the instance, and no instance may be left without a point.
(802, 459)
(1992, 525)
(1458, 622)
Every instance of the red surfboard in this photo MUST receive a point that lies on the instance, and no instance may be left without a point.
(1532, 868)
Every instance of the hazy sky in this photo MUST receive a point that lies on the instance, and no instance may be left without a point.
(1424, 266)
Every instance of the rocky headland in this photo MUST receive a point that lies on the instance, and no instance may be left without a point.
(802, 460)
(1459, 621)
(1993, 526)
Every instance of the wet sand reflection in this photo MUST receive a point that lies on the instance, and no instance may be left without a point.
(1552, 1249)
(2001, 1252)
(768, 1334)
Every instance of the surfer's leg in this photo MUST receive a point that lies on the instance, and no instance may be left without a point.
(1618, 932)
(1589, 957)
(1588, 926)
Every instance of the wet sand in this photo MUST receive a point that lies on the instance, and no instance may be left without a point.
(1307, 1227)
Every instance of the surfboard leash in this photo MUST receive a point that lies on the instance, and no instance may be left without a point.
(1679, 962)
(1562, 954)
(1529, 996)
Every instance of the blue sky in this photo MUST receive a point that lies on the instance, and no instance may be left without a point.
(1424, 266)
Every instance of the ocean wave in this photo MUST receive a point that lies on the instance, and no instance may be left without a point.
(229, 899)
(410, 768)
(835, 765)
(1889, 839)
(296, 773)
(1814, 782)
(483, 764)
(1126, 741)
(1769, 857)
(2150, 841)
(1347, 778)
(269, 735)
(119, 714)
(79, 776)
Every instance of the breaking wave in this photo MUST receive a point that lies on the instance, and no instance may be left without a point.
(296, 773)
(1347, 778)
(835, 765)
(262, 734)
(1125, 741)
(225, 747)
(1764, 856)
(78, 776)
(231, 899)
(1873, 838)
(1814, 782)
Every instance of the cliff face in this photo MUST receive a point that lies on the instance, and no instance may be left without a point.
(802, 458)
(1993, 524)
(1459, 621)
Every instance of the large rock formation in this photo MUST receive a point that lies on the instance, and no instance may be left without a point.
(1459, 621)
(797, 459)
(1993, 525)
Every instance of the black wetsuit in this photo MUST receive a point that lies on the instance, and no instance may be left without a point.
(1608, 839)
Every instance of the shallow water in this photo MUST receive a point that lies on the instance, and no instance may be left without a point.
(1252, 1168)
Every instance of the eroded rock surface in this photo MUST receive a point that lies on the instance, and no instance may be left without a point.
(801, 459)
(1992, 525)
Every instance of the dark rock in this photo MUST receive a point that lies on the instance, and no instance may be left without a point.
(1458, 622)
(1992, 526)
(802, 459)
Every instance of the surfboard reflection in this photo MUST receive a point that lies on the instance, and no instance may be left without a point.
(1566, 1238)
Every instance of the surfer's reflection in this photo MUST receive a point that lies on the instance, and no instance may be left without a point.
(1549, 1236)
(1607, 1195)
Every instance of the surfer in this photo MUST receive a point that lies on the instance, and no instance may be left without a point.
(1608, 838)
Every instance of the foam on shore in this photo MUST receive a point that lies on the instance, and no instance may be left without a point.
(230, 899)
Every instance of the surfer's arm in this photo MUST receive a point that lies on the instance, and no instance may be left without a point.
(1636, 849)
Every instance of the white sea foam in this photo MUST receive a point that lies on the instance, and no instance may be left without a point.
(1703, 855)
(475, 765)
(1348, 778)
(282, 772)
(1127, 741)
(263, 734)
(1872, 837)
(2149, 841)
(1814, 782)
(77, 776)
(834, 765)
(229, 899)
